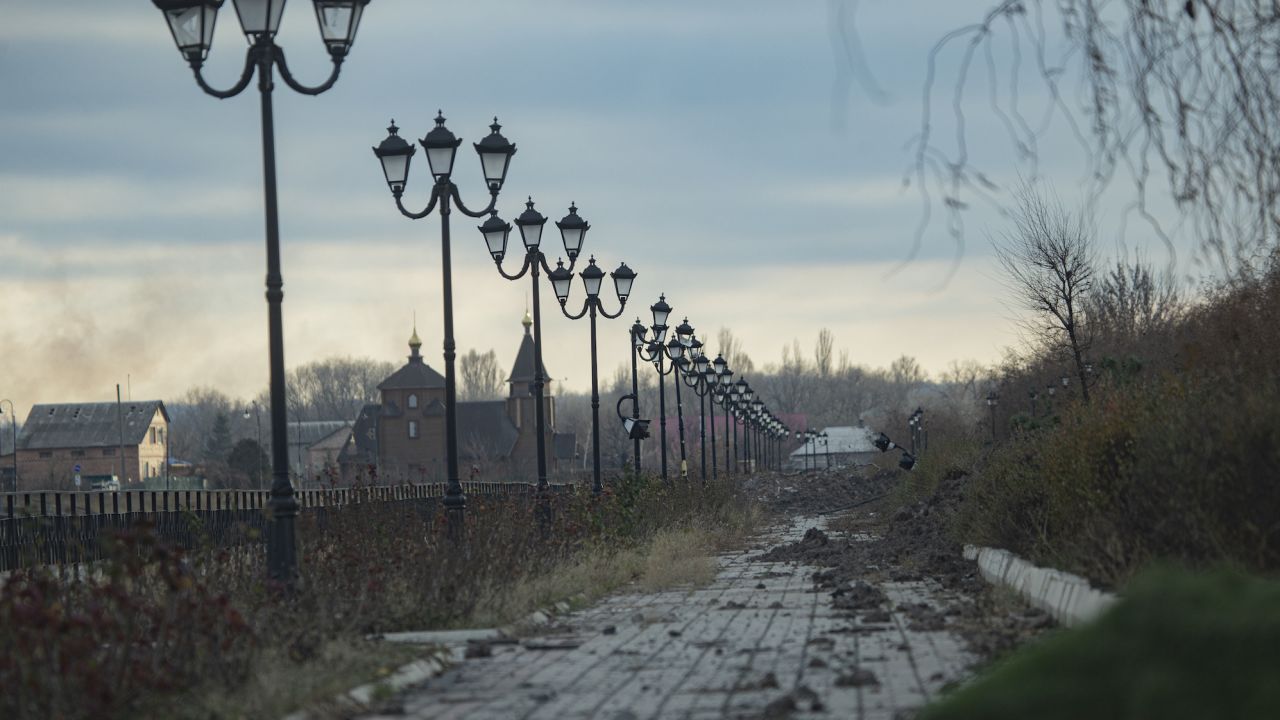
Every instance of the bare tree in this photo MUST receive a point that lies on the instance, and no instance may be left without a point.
(333, 388)
(1131, 301)
(193, 416)
(481, 376)
(790, 385)
(906, 370)
(1048, 258)
(822, 353)
(731, 349)
(1181, 93)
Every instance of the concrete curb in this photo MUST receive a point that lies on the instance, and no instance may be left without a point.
(1070, 599)
(419, 671)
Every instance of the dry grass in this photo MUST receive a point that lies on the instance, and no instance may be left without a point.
(275, 687)
(167, 632)
(672, 557)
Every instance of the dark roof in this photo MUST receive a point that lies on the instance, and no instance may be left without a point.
(566, 445)
(338, 439)
(308, 433)
(522, 370)
(483, 427)
(365, 432)
(415, 375)
(77, 425)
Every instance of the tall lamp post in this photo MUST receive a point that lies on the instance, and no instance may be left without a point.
(573, 230)
(257, 415)
(744, 409)
(700, 377)
(637, 339)
(675, 350)
(441, 147)
(991, 403)
(652, 350)
(592, 278)
(13, 418)
(191, 23)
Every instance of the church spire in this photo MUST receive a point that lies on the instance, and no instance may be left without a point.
(415, 344)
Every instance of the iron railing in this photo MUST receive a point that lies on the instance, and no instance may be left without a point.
(68, 528)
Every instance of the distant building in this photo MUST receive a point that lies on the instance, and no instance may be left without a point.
(403, 437)
(843, 445)
(59, 438)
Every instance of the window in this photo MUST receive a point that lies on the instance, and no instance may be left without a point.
(413, 428)
(77, 453)
(161, 436)
(108, 452)
(413, 401)
(153, 436)
(46, 453)
(146, 468)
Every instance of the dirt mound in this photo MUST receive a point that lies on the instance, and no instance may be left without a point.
(819, 491)
(873, 541)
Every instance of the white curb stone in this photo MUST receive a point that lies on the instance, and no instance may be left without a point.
(1070, 599)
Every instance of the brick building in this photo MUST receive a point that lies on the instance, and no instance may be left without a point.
(403, 437)
(57, 438)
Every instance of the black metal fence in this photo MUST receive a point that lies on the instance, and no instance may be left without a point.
(67, 528)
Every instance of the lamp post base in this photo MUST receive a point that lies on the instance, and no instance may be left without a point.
(282, 560)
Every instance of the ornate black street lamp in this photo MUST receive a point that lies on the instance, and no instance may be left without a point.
(257, 416)
(636, 428)
(441, 147)
(13, 417)
(592, 277)
(744, 408)
(698, 375)
(675, 350)
(652, 350)
(724, 391)
(637, 339)
(192, 23)
(573, 230)
(884, 444)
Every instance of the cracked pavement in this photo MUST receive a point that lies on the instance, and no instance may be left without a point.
(762, 640)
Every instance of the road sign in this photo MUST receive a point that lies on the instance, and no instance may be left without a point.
(77, 479)
(77, 468)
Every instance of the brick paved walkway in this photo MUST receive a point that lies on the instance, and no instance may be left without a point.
(758, 641)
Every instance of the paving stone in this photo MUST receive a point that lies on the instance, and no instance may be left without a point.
(756, 635)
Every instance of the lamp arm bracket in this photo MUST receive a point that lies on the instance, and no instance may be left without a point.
(246, 77)
(585, 307)
(615, 316)
(645, 355)
(618, 407)
(524, 269)
(304, 89)
(542, 260)
(435, 197)
(457, 200)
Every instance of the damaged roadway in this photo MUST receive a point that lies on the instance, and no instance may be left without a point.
(829, 614)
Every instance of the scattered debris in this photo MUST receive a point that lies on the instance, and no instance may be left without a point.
(858, 677)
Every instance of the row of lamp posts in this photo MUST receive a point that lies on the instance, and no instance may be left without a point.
(682, 356)
(192, 23)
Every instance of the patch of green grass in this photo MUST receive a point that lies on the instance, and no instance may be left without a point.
(1179, 645)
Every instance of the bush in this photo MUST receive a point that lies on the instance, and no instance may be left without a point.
(1175, 468)
(157, 631)
(1180, 645)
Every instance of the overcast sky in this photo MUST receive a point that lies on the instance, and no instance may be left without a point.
(712, 145)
